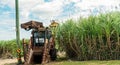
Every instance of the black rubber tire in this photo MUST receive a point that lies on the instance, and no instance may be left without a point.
(53, 54)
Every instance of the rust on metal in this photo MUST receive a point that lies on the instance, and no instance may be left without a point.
(41, 46)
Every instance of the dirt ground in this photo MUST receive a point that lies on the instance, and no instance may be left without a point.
(8, 61)
(14, 62)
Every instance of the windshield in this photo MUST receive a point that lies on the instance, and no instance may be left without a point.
(39, 38)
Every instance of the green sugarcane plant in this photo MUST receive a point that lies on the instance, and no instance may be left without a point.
(95, 37)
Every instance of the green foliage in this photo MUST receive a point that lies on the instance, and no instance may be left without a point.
(95, 37)
(9, 47)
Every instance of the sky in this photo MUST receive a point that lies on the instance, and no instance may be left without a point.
(47, 10)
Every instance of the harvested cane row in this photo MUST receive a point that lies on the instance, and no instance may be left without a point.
(95, 37)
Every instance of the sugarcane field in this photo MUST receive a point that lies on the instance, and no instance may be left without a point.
(60, 32)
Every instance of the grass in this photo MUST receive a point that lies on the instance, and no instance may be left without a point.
(93, 62)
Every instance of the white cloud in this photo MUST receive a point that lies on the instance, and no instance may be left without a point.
(4, 35)
(8, 2)
(7, 22)
(74, 1)
(40, 9)
(87, 7)
(8, 30)
(25, 34)
(87, 4)
(69, 1)
(9, 35)
(27, 5)
(24, 14)
(48, 10)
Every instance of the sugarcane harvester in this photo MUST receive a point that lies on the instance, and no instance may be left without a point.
(41, 46)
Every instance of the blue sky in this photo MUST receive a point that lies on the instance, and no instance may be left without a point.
(46, 10)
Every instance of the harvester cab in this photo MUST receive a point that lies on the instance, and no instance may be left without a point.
(41, 46)
(39, 38)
